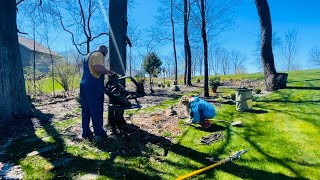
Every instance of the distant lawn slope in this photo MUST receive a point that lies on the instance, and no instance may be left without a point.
(282, 134)
(45, 85)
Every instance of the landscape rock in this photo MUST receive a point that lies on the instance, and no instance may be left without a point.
(171, 112)
(89, 176)
(174, 88)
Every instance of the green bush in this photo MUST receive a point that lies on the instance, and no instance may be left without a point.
(214, 82)
(233, 96)
(257, 91)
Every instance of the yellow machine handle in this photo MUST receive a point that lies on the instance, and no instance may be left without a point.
(200, 170)
(230, 158)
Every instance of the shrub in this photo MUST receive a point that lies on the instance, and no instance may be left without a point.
(233, 96)
(168, 83)
(257, 91)
(214, 82)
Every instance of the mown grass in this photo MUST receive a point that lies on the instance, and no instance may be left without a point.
(281, 134)
(45, 85)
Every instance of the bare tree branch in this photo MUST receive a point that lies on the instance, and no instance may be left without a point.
(72, 35)
(315, 56)
(93, 38)
(21, 32)
(289, 48)
(89, 17)
(19, 2)
(83, 18)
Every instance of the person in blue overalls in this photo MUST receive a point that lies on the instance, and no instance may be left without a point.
(92, 92)
(198, 110)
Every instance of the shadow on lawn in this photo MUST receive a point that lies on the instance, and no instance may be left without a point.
(296, 114)
(125, 145)
(307, 80)
(285, 98)
(283, 162)
(258, 111)
(213, 128)
(245, 172)
(263, 175)
(302, 88)
(288, 101)
(78, 163)
(128, 148)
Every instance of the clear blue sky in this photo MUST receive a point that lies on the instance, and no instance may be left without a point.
(285, 14)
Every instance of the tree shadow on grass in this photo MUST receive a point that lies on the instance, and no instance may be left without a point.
(248, 136)
(245, 172)
(296, 114)
(125, 145)
(258, 111)
(288, 101)
(277, 160)
(58, 154)
(307, 80)
(213, 128)
(131, 142)
(302, 88)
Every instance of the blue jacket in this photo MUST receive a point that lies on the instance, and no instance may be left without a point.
(201, 110)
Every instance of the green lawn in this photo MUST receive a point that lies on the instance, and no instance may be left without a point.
(45, 85)
(281, 134)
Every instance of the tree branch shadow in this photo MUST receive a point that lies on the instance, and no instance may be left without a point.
(302, 88)
(129, 136)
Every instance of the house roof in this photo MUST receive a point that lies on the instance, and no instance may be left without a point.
(28, 43)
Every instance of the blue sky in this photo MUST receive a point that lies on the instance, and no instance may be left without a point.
(285, 14)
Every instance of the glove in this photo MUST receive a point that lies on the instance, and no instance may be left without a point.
(188, 121)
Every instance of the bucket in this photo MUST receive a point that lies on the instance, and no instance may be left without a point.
(243, 99)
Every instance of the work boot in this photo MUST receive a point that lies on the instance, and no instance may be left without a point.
(205, 124)
(88, 136)
(98, 139)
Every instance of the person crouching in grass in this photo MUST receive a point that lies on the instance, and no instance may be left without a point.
(198, 110)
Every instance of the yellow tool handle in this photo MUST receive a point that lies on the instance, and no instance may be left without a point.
(200, 170)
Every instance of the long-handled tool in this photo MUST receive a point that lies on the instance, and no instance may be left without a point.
(230, 158)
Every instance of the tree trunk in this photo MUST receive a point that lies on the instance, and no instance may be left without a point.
(117, 42)
(88, 45)
(273, 80)
(130, 57)
(174, 47)
(34, 56)
(52, 72)
(185, 66)
(151, 83)
(187, 44)
(205, 50)
(185, 34)
(14, 102)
